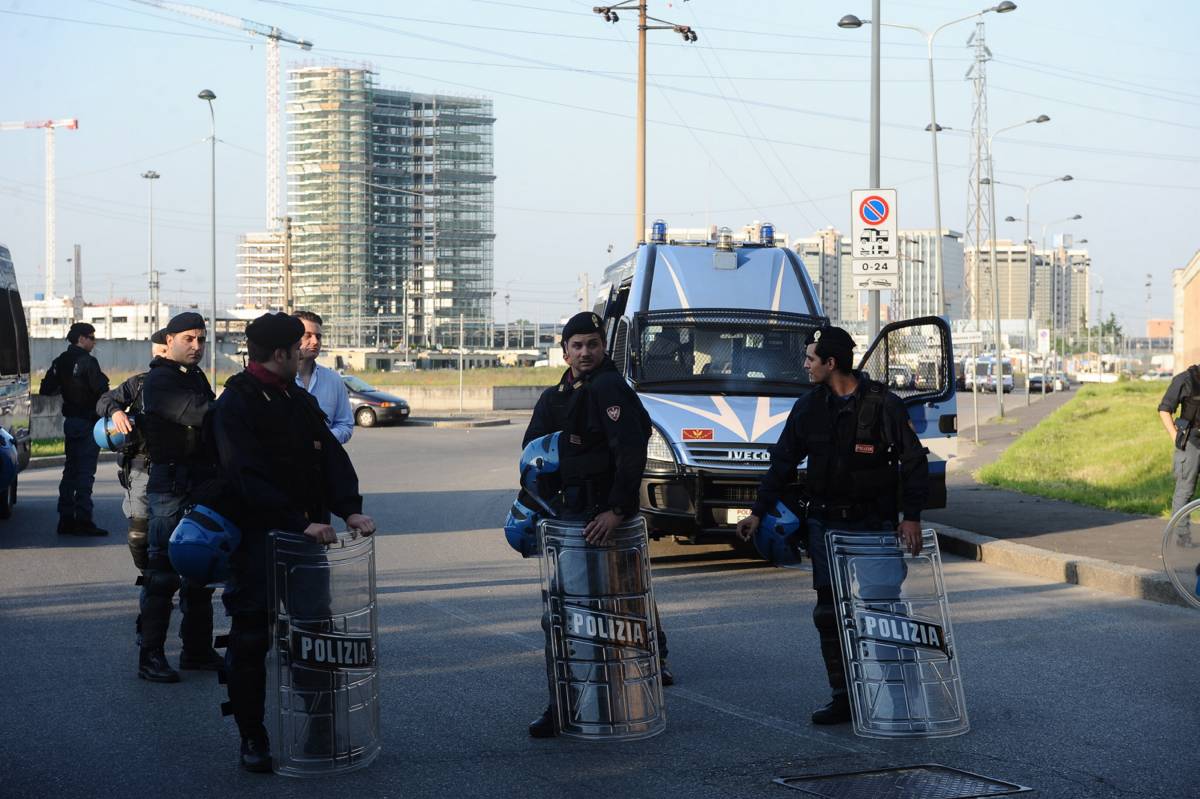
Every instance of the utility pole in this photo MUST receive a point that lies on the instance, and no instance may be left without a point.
(873, 321)
(77, 302)
(150, 175)
(289, 297)
(585, 292)
(979, 211)
(610, 15)
(460, 363)
(507, 298)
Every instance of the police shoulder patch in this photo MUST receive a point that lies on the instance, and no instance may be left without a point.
(614, 412)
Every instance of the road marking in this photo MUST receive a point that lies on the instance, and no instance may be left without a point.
(770, 722)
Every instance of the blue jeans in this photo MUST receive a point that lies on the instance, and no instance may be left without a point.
(79, 469)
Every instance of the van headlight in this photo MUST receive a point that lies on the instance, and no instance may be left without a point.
(659, 456)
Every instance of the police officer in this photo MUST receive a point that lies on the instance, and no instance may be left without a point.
(176, 398)
(76, 375)
(1183, 392)
(865, 465)
(283, 470)
(602, 451)
(133, 468)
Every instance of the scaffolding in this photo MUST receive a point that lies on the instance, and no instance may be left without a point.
(390, 194)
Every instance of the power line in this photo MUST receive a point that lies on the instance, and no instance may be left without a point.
(120, 27)
(1101, 109)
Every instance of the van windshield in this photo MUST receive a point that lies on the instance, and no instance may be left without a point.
(704, 352)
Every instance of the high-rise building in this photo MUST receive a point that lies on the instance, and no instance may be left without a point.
(827, 257)
(1014, 278)
(390, 195)
(919, 288)
(260, 271)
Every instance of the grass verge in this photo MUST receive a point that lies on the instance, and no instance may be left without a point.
(1105, 448)
(44, 447)
(445, 378)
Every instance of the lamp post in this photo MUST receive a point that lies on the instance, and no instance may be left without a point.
(150, 175)
(610, 15)
(1029, 190)
(849, 22)
(208, 96)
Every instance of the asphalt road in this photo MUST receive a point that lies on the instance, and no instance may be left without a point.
(1072, 692)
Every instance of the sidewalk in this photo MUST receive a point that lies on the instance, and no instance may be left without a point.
(1111, 551)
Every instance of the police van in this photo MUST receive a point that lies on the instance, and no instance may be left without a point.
(14, 385)
(711, 335)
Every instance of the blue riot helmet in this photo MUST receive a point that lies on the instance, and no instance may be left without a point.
(541, 457)
(201, 545)
(107, 435)
(520, 530)
(777, 536)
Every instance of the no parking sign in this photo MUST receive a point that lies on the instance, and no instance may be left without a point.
(874, 243)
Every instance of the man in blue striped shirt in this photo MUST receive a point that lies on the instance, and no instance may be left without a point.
(321, 381)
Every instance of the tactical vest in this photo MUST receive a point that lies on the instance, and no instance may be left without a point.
(584, 462)
(1190, 411)
(862, 468)
(78, 398)
(135, 441)
(167, 441)
(290, 442)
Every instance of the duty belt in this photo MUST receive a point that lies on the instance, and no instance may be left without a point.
(841, 513)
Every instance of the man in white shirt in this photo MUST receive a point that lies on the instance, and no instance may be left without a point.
(322, 382)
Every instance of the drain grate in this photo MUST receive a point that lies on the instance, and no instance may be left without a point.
(929, 781)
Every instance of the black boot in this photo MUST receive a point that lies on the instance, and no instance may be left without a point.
(665, 672)
(66, 525)
(543, 725)
(88, 527)
(153, 666)
(256, 753)
(836, 712)
(203, 660)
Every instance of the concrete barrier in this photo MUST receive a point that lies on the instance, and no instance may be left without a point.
(424, 399)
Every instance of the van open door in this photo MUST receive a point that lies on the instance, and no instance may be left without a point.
(915, 359)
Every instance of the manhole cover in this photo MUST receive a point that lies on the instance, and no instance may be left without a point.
(905, 782)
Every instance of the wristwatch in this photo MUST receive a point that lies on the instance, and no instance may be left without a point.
(617, 509)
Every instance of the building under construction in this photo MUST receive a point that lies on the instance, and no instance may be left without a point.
(390, 199)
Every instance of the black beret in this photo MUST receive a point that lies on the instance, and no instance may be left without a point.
(159, 337)
(583, 322)
(188, 320)
(80, 329)
(275, 330)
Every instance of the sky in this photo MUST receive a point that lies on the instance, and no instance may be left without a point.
(764, 118)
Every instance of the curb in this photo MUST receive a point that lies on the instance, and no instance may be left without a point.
(458, 423)
(1102, 575)
(52, 461)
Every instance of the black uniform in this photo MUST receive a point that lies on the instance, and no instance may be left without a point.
(1183, 394)
(77, 376)
(281, 468)
(865, 464)
(602, 453)
(176, 398)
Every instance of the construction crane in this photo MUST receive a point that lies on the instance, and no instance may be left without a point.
(274, 36)
(49, 125)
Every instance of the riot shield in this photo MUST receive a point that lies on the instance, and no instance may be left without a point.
(902, 669)
(1181, 552)
(323, 673)
(602, 633)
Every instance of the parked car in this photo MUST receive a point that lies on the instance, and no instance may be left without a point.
(372, 406)
(1035, 383)
(1061, 381)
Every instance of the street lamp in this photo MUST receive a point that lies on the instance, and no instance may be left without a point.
(850, 22)
(150, 175)
(1029, 190)
(610, 15)
(208, 96)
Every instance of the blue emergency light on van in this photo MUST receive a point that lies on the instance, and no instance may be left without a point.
(766, 234)
(658, 232)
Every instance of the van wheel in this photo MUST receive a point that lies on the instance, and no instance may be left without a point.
(365, 417)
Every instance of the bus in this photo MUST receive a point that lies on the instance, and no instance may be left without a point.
(14, 385)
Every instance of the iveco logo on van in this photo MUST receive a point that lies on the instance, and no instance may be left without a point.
(748, 455)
